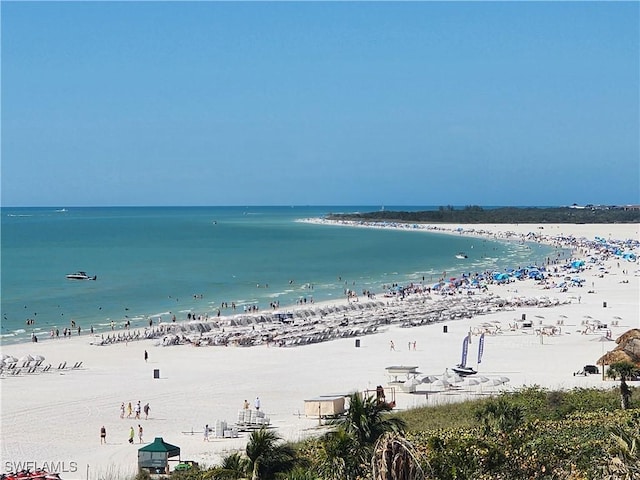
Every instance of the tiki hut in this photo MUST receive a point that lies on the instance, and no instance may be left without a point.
(628, 349)
(614, 356)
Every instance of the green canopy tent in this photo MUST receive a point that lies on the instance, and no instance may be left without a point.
(155, 456)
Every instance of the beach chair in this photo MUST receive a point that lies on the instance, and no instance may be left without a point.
(62, 366)
(77, 365)
(47, 368)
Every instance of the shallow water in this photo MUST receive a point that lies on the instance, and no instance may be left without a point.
(163, 261)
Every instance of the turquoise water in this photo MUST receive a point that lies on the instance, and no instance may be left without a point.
(152, 261)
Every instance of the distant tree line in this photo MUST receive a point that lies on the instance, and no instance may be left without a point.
(476, 214)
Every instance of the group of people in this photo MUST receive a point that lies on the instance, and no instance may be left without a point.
(132, 434)
(137, 410)
(256, 404)
(129, 410)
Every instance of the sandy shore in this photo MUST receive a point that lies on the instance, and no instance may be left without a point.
(53, 418)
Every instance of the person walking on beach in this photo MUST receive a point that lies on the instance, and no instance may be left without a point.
(246, 405)
(132, 434)
(146, 356)
(392, 345)
(206, 433)
(257, 403)
(129, 410)
(140, 432)
(146, 410)
(122, 410)
(103, 435)
(138, 409)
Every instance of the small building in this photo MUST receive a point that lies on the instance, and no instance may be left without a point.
(156, 456)
(321, 407)
(403, 371)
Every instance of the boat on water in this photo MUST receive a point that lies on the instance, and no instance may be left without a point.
(461, 255)
(81, 276)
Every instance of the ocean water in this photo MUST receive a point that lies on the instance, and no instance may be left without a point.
(161, 261)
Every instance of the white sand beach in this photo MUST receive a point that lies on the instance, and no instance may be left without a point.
(53, 418)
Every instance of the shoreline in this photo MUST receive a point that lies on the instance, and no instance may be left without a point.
(140, 322)
(198, 386)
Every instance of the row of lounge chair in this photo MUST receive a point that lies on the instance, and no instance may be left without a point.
(13, 370)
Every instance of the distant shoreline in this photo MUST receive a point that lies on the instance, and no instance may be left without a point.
(503, 215)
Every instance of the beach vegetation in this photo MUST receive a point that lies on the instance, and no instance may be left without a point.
(499, 416)
(345, 452)
(625, 371)
(532, 433)
(502, 215)
(394, 458)
(266, 457)
(366, 419)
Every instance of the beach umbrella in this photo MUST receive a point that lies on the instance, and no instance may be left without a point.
(38, 357)
(26, 358)
(441, 383)
(504, 379)
(482, 379)
(470, 382)
(455, 378)
(412, 382)
(429, 379)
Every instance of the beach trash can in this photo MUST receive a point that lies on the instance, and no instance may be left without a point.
(444, 329)
(156, 373)
(604, 304)
(357, 343)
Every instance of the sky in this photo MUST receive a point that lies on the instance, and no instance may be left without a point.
(320, 103)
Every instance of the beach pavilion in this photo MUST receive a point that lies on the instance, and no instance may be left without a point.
(156, 456)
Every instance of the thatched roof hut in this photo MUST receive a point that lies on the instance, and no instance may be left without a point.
(628, 349)
(613, 357)
(628, 335)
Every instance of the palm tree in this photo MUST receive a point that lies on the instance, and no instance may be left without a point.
(499, 416)
(366, 421)
(393, 459)
(340, 458)
(233, 467)
(625, 370)
(624, 455)
(268, 457)
(347, 450)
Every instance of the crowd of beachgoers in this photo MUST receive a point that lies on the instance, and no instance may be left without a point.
(415, 304)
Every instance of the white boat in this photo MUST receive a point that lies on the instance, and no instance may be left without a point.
(461, 255)
(463, 370)
(80, 276)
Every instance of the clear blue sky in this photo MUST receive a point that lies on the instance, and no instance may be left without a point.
(223, 103)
